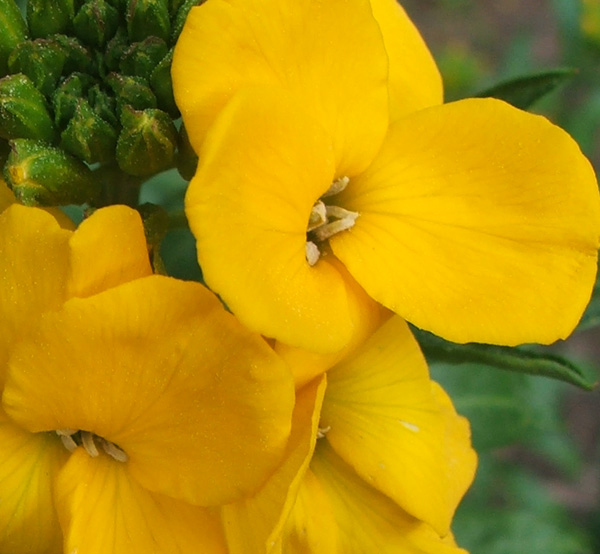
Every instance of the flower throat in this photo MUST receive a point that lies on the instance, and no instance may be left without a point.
(327, 220)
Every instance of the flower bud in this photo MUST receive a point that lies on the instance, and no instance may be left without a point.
(23, 112)
(132, 91)
(162, 85)
(147, 142)
(77, 56)
(42, 60)
(104, 105)
(13, 31)
(115, 49)
(88, 136)
(47, 17)
(96, 22)
(141, 58)
(67, 95)
(41, 175)
(148, 18)
(187, 160)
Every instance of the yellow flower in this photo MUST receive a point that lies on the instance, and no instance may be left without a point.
(143, 406)
(322, 139)
(41, 266)
(390, 465)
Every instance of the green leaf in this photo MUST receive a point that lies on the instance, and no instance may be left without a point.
(518, 359)
(523, 92)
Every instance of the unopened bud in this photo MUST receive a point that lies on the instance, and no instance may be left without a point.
(132, 91)
(23, 112)
(41, 175)
(13, 30)
(162, 85)
(42, 60)
(115, 49)
(88, 136)
(96, 22)
(187, 160)
(104, 105)
(77, 56)
(47, 17)
(141, 58)
(67, 96)
(147, 142)
(148, 18)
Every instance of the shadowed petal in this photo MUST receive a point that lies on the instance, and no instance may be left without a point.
(103, 509)
(28, 465)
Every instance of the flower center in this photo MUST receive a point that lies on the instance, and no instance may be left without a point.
(322, 431)
(71, 439)
(327, 220)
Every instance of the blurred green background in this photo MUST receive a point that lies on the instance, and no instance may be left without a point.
(538, 484)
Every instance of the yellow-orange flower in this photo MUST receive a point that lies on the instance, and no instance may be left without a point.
(322, 139)
(392, 461)
(167, 405)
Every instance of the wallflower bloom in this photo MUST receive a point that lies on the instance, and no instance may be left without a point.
(167, 405)
(323, 139)
(41, 266)
(391, 463)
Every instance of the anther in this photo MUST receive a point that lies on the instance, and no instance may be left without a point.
(87, 441)
(312, 253)
(322, 431)
(67, 439)
(336, 187)
(113, 451)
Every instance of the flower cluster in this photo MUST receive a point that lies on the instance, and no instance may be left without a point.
(336, 199)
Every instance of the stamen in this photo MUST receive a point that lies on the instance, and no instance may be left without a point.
(87, 441)
(326, 231)
(322, 431)
(113, 450)
(336, 187)
(312, 253)
(327, 220)
(68, 442)
(318, 215)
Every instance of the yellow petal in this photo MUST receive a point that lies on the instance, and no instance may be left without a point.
(368, 521)
(414, 80)
(366, 315)
(109, 248)
(103, 509)
(329, 55)
(249, 206)
(312, 527)
(253, 525)
(28, 465)
(33, 271)
(384, 421)
(479, 222)
(201, 406)
(6, 195)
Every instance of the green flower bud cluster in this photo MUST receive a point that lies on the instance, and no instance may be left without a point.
(85, 85)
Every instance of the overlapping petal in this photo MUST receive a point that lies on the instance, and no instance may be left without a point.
(158, 368)
(254, 525)
(384, 421)
(368, 521)
(249, 206)
(329, 55)
(28, 465)
(414, 80)
(478, 222)
(103, 509)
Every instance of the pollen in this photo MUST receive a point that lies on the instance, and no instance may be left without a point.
(72, 439)
(327, 220)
